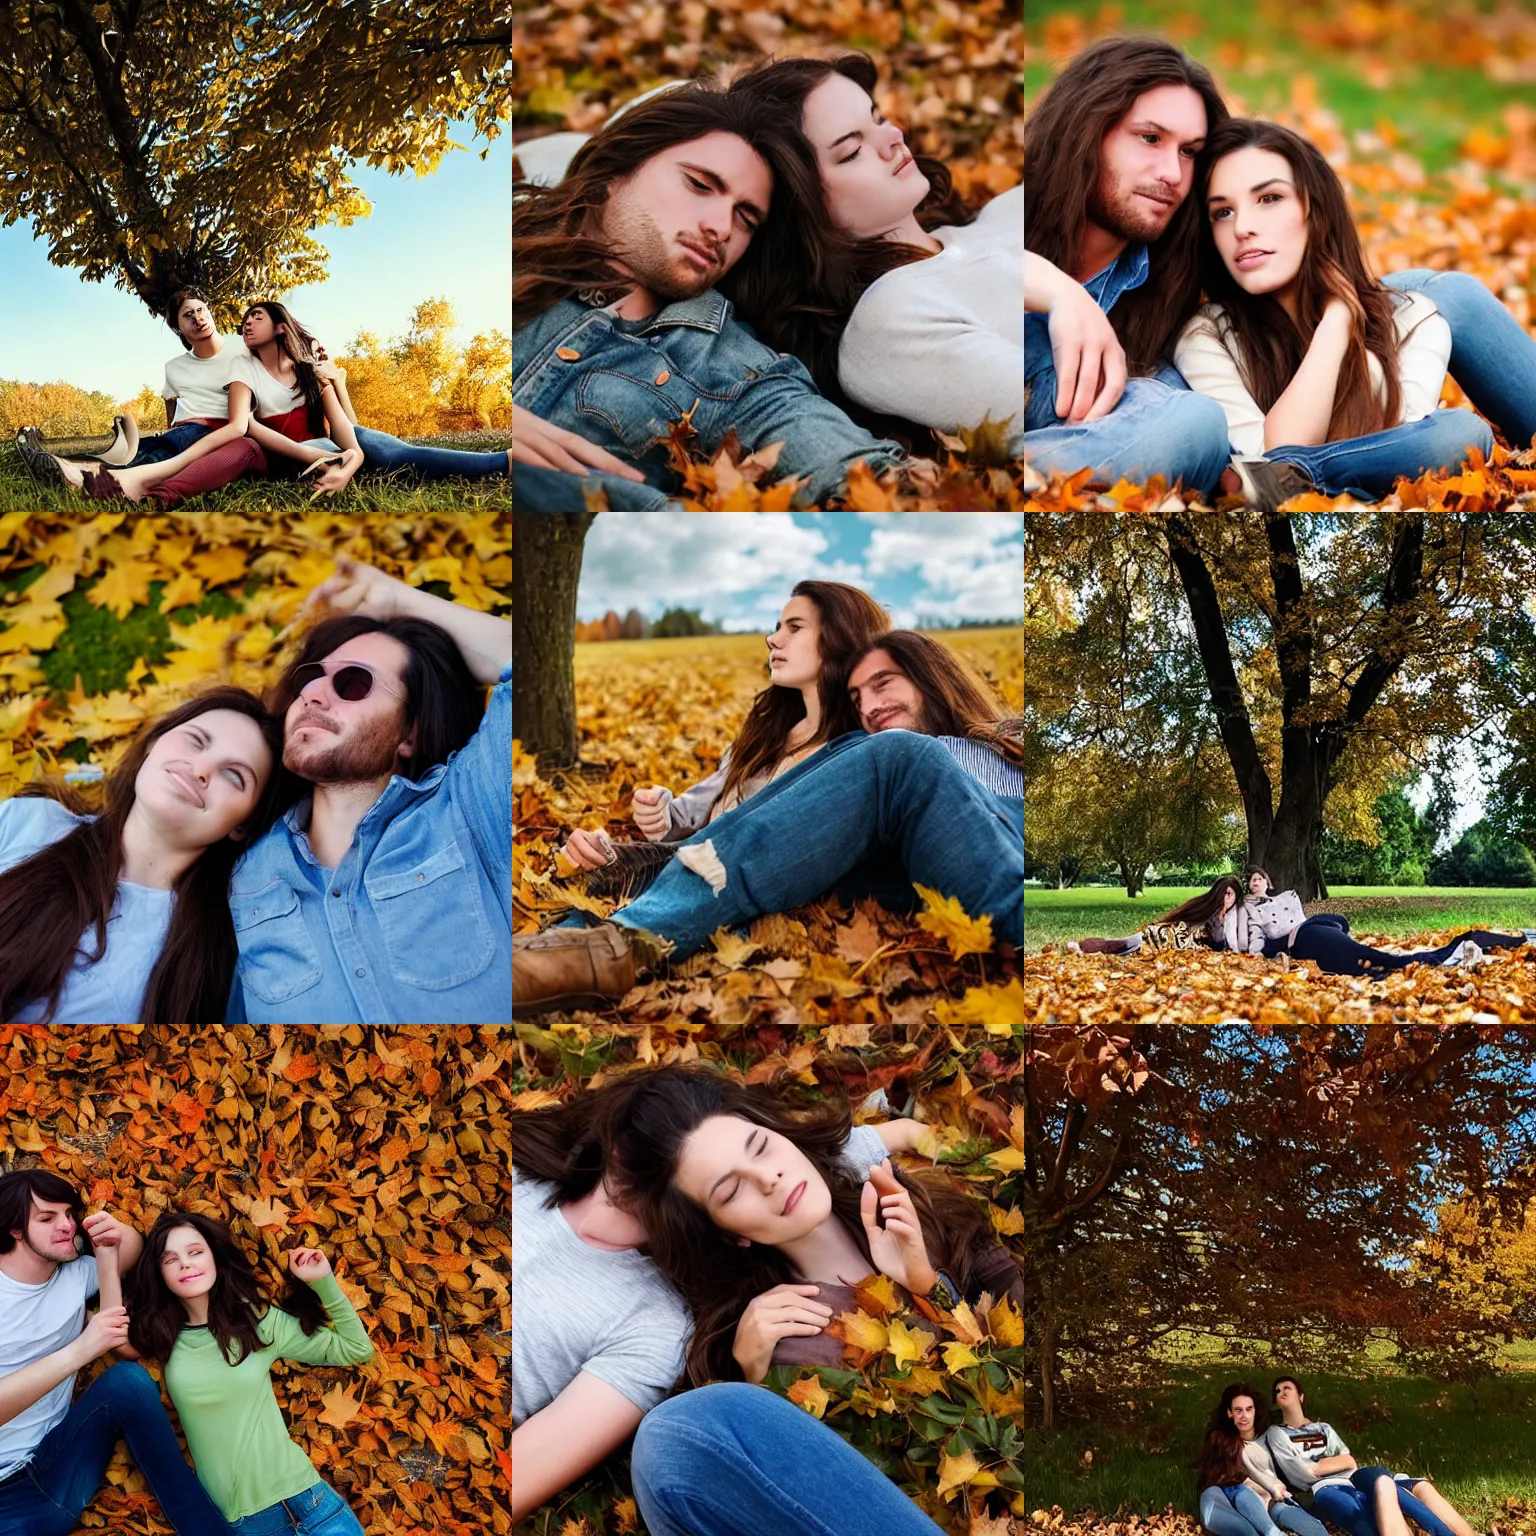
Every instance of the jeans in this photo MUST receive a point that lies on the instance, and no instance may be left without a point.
(1325, 939)
(535, 489)
(166, 445)
(1365, 1480)
(737, 1460)
(1492, 358)
(841, 814)
(1235, 1511)
(1352, 1506)
(1368, 467)
(68, 1466)
(383, 452)
(318, 1511)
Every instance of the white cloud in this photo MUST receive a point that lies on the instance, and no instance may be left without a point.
(971, 565)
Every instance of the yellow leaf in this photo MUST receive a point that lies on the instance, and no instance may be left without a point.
(876, 1295)
(860, 1330)
(908, 1344)
(1010, 1160)
(124, 587)
(181, 589)
(945, 918)
(732, 951)
(955, 1472)
(809, 1394)
(1007, 1324)
(958, 1356)
(999, 1009)
(219, 567)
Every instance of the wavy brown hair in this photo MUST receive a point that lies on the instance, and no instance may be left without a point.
(298, 346)
(955, 701)
(712, 1273)
(51, 902)
(850, 620)
(1221, 1464)
(1202, 908)
(1268, 344)
(1062, 143)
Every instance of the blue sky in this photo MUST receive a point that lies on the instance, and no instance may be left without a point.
(738, 567)
(447, 235)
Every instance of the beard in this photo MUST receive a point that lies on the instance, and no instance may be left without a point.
(1114, 207)
(371, 753)
(52, 1255)
(638, 242)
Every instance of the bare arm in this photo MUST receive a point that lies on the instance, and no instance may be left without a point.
(1301, 415)
(899, 1135)
(1326, 1464)
(105, 1331)
(587, 1422)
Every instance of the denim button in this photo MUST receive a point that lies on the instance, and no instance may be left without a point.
(361, 971)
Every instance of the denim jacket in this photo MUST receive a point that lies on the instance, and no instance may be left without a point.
(414, 926)
(622, 383)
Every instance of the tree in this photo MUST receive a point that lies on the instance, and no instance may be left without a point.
(1397, 851)
(1483, 856)
(163, 144)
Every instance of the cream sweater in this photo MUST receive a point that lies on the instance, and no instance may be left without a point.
(1210, 367)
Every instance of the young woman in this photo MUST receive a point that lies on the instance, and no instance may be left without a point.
(1241, 1493)
(1321, 370)
(821, 629)
(1199, 923)
(895, 295)
(197, 1305)
(601, 1335)
(124, 917)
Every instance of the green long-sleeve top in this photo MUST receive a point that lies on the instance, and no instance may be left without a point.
(234, 1428)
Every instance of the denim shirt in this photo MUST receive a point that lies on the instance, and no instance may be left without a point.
(415, 924)
(622, 383)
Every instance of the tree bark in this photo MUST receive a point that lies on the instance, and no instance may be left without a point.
(1133, 876)
(546, 570)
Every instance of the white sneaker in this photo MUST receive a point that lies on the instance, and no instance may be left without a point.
(1468, 952)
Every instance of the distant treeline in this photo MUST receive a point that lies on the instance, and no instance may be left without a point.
(674, 623)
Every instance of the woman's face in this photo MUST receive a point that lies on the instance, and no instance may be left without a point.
(751, 1181)
(871, 180)
(257, 329)
(186, 1264)
(1240, 1411)
(794, 655)
(1257, 219)
(1228, 899)
(201, 780)
(1258, 885)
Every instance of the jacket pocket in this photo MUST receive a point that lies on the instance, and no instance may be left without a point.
(430, 913)
(278, 959)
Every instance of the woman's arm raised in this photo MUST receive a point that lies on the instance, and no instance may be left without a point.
(1302, 413)
(553, 1447)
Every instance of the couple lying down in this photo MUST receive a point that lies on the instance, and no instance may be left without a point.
(1257, 922)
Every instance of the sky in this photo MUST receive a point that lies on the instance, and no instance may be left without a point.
(737, 568)
(446, 235)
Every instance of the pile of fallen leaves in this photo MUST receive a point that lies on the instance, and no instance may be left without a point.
(387, 1148)
(1210, 986)
(1056, 1522)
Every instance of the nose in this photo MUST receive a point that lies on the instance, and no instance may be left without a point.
(716, 221)
(895, 140)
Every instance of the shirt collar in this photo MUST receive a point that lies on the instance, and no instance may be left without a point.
(1128, 270)
(704, 312)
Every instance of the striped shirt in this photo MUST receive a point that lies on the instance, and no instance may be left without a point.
(984, 765)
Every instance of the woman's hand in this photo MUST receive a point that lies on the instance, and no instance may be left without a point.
(651, 814)
(308, 1264)
(785, 1312)
(589, 850)
(333, 477)
(897, 1247)
(358, 588)
(536, 441)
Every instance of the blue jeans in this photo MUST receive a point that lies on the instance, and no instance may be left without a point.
(840, 815)
(1412, 1507)
(1368, 467)
(383, 452)
(67, 1468)
(737, 1460)
(166, 445)
(1235, 1511)
(318, 1511)
(1353, 1507)
(535, 489)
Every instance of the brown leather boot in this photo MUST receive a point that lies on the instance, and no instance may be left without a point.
(571, 968)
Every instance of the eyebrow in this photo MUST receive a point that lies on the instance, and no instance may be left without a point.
(718, 182)
(731, 1172)
(869, 682)
(1137, 127)
(1272, 182)
(235, 762)
(857, 133)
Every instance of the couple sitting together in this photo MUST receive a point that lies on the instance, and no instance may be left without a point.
(187, 1296)
(1302, 372)
(257, 404)
(338, 853)
(770, 260)
(1262, 1479)
(1261, 922)
(877, 740)
(674, 1228)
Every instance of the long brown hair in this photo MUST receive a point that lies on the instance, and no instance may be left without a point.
(712, 1273)
(1202, 908)
(1062, 144)
(850, 620)
(298, 346)
(809, 274)
(1221, 1450)
(1270, 346)
(50, 901)
(955, 701)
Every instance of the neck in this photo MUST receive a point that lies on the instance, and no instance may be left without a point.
(638, 304)
(910, 232)
(25, 1267)
(576, 1212)
(196, 1308)
(271, 355)
(1287, 298)
(335, 814)
(827, 1253)
(1295, 1417)
(808, 727)
(208, 347)
(147, 858)
(1099, 248)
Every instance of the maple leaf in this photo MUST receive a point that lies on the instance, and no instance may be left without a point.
(809, 1394)
(860, 1330)
(124, 587)
(182, 589)
(907, 1345)
(999, 1009)
(956, 1471)
(219, 567)
(946, 919)
(340, 1408)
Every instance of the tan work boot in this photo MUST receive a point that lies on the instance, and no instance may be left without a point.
(571, 968)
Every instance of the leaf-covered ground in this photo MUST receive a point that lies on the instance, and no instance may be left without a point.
(388, 1148)
(1512, 1517)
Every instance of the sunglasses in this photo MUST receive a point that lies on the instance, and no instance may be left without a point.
(350, 681)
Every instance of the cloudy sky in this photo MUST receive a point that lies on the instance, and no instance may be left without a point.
(737, 568)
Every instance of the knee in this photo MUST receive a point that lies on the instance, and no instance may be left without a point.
(901, 747)
(1455, 433)
(1196, 428)
(680, 1421)
(129, 1382)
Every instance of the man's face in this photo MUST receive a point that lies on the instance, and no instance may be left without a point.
(686, 216)
(1286, 1395)
(50, 1231)
(1147, 163)
(1258, 885)
(331, 740)
(195, 321)
(885, 697)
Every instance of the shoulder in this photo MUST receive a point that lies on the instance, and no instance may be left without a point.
(31, 822)
(1410, 310)
(1005, 213)
(1204, 327)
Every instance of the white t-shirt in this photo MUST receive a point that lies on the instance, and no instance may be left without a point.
(200, 385)
(1210, 367)
(270, 397)
(36, 1320)
(941, 341)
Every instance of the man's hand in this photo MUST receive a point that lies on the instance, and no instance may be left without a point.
(104, 1230)
(1090, 362)
(536, 441)
(651, 813)
(106, 1330)
(357, 588)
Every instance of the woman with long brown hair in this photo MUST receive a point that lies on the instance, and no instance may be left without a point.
(1241, 1492)
(1194, 924)
(124, 917)
(1321, 370)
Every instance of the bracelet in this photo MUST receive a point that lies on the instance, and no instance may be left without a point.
(944, 1294)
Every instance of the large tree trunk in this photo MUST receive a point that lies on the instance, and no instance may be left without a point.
(546, 570)
(1133, 876)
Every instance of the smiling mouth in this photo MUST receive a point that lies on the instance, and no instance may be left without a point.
(879, 719)
(794, 1197)
(188, 789)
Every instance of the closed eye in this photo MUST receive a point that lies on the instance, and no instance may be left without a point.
(747, 220)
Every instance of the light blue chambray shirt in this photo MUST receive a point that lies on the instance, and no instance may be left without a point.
(414, 926)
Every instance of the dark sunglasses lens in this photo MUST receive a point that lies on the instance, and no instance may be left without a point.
(352, 683)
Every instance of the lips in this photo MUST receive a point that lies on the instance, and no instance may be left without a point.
(187, 786)
(316, 722)
(1251, 258)
(707, 260)
(794, 1197)
(908, 160)
(880, 719)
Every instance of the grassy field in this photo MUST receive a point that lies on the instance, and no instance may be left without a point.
(1053, 917)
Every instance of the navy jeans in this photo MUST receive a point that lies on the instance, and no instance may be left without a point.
(1368, 467)
(318, 1511)
(1325, 939)
(383, 452)
(1353, 1507)
(46, 1498)
(535, 489)
(166, 445)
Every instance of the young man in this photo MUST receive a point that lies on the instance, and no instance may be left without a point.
(1365, 1501)
(892, 809)
(619, 334)
(54, 1454)
(1111, 276)
(385, 895)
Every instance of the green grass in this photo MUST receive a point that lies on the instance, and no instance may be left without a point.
(1433, 106)
(368, 492)
(1053, 917)
(1479, 1445)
